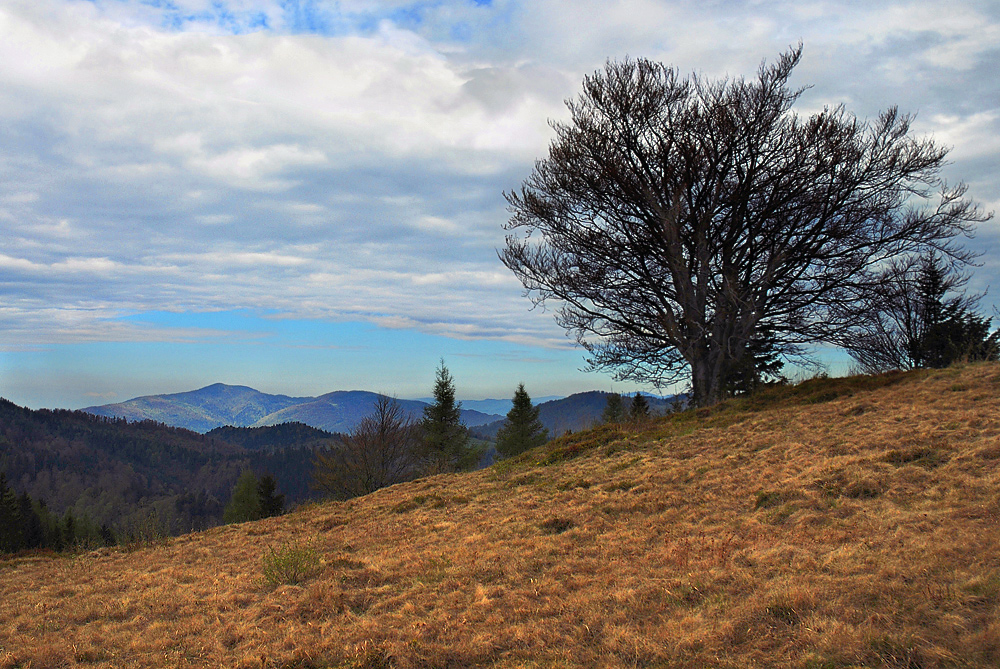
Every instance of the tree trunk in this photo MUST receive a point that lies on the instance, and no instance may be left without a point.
(704, 383)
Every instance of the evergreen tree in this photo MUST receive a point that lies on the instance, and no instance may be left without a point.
(270, 504)
(638, 411)
(614, 410)
(522, 431)
(244, 504)
(34, 533)
(11, 539)
(445, 438)
(951, 330)
(69, 531)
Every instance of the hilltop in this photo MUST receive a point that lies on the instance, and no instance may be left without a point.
(837, 523)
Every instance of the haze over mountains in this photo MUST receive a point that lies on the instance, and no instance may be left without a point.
(219, 404)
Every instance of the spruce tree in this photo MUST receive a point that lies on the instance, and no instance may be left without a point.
(522, 431)
(445, 438)
(270, 503)
(614, 410)
(34, 533)
(11, 539)
(638, 411)
(244, 504)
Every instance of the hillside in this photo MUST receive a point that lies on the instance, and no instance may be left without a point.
(118, 472)
(283, 435)
(838, 523)
(220, 405)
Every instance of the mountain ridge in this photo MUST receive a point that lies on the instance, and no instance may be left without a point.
(219, 405)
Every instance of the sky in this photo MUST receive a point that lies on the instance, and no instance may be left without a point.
(305, 196)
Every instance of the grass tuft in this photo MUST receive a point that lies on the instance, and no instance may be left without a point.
(556, 525)
(290, 565)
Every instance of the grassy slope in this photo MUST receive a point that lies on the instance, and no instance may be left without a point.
(838, 523)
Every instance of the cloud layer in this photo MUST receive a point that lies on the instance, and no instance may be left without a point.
(346, 160)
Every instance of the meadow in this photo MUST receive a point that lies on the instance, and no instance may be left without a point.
(836, 523)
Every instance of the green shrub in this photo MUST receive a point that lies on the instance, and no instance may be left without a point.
(290, 565)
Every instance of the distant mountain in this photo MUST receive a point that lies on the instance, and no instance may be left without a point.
(341, 410)
(496, 407)
(239, 406)
(203, 409)
(574, 413)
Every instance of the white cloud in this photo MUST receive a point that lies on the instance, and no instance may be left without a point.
(353, 170)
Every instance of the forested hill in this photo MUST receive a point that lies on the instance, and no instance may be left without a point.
(284, 435)
(117, 472)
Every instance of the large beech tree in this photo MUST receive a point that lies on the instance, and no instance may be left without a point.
(682, 223)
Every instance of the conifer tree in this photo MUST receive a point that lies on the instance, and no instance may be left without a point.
(446, 439)
(10, 518)
(522, 431)
(270, 503)
(244, 504)
(614, 410)
(34, 533)
(638, 411)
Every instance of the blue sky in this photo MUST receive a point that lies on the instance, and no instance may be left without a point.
(306, 196)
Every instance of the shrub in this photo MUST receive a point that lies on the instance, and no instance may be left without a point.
(290, 565)
(556, 525)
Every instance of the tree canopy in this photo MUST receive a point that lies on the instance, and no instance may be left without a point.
(683, 224)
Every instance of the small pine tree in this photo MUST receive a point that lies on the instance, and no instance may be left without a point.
(522, 431)
(244, 504)
(446, 439)
(614, 410)
(638, 411)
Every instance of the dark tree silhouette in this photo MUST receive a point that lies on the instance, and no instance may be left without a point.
(271, 504)
(614, 409)
(638, 410)
(679, 222)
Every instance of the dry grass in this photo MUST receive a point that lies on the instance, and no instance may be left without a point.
(839, 524)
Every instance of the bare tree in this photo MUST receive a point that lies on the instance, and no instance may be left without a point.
(680, 222)
(381, 450)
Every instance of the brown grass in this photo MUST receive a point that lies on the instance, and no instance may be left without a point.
(840, 523)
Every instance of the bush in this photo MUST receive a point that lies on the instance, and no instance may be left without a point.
(290, 565)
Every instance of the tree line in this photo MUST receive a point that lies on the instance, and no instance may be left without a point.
(388, 447)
